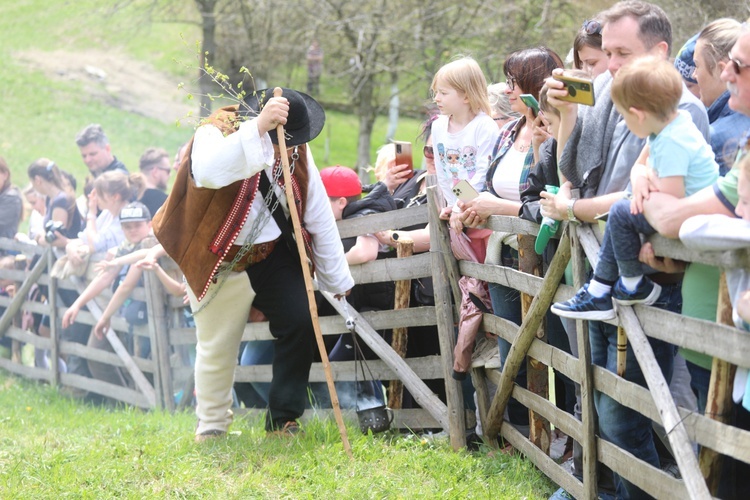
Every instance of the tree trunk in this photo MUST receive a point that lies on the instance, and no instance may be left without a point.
(208, 49)
(366, 114)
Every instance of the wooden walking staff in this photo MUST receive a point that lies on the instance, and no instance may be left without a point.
(297, 225)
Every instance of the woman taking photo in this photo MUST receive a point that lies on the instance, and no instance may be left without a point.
(525, 72)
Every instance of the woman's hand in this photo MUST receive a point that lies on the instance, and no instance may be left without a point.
(396, 175)
(555, 206)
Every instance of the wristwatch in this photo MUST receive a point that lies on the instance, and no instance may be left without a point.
(571, 214)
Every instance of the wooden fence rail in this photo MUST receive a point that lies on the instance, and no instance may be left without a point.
(168, 370)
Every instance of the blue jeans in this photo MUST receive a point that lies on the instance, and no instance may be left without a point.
(621, 244)
(618, 424)
(700, 379)
(258, 352)
(506, 304)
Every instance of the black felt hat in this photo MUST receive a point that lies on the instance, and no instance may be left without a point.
(306, 117)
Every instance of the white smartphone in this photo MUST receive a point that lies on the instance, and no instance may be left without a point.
(465, 191)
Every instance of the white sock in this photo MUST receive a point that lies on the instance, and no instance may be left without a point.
(599, 289)
(631, 282)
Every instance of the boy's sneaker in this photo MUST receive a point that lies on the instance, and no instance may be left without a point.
(647, 292)
(583, 305)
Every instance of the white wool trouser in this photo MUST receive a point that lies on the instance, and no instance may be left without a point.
(219, 327)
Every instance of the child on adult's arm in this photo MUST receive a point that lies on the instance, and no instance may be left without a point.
(678, 161)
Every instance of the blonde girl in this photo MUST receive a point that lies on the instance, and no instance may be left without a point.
(464, 134)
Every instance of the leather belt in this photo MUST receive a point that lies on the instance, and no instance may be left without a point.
(255, 254)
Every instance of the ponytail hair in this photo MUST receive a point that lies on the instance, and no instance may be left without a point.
(129, 187)
(50, 172)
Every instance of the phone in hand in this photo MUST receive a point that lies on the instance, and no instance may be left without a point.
(464, 191)
(404, 155)
(530, 101)
(580, 90)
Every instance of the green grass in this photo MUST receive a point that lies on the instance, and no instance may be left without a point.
(52, 447)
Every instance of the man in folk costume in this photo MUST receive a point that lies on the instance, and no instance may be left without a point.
(225, 224)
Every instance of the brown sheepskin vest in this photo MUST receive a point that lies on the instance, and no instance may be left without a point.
(197, 226)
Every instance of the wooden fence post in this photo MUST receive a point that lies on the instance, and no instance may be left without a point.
(537, 374)
(404, 248)
(588, 413)
(160, 351)
(526, 335)
(443, 276)
(719, 401)
(54, 334)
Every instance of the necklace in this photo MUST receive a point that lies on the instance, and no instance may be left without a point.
(522, 147)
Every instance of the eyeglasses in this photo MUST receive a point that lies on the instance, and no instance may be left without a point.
(736, 64)
(592, 27)
(428, 152)
(511, 82)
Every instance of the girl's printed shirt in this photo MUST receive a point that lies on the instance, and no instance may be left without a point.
(463, 155)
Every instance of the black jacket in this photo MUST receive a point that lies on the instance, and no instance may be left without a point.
(543, 173)
(370, 296)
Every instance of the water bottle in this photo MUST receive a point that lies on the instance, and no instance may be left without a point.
(548, 227)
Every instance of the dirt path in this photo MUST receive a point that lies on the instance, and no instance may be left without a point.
(116, 80)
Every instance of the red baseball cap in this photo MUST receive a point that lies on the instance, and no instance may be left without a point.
(341, 181)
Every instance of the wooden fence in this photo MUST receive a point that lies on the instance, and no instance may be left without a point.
(168, 371)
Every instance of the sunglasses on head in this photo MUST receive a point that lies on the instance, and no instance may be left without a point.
(592, 27)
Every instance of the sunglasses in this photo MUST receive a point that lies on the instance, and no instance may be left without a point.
(428, 152)
(736, 64)
(592, 27)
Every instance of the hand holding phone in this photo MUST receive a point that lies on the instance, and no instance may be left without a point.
(464, 191)
(531, 102)
(580, 90)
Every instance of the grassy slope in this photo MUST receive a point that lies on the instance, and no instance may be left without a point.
(51, 447)
(41, 117)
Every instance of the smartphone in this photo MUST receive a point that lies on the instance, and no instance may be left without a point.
(580, 90)
(403, 155)
(464, 191)
(530, 101)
